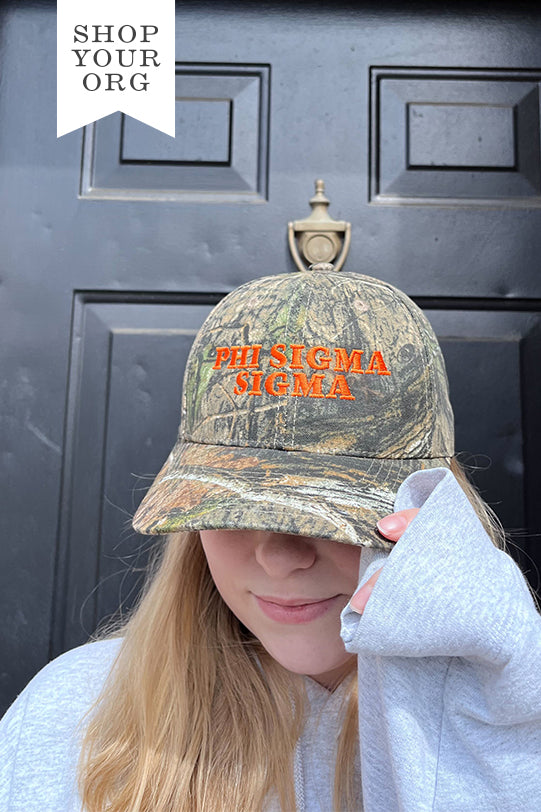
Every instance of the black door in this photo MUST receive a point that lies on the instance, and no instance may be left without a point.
(115, 243)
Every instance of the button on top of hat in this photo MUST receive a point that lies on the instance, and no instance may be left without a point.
(321, 266)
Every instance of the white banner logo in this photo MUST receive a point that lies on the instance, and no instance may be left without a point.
(115, 55)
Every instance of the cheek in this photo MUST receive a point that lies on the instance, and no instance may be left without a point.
(228, 562)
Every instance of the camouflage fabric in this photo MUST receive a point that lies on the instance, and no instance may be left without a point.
(307, 399)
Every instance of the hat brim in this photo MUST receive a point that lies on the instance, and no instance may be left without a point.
(341, 498)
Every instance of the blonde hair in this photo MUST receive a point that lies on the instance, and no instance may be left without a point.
(485, 514)
(195, 715)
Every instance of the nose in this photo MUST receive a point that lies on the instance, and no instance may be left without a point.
(280, 554)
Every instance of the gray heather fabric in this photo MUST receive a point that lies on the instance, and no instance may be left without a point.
(449, 683)
(315, 756)
(39, 738)
(449, 666)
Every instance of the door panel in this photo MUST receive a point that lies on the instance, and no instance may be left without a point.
(125, 376)
(115, 242)
(463, 137)
(220, 152)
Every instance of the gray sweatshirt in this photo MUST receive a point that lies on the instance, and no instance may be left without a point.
(449, 672)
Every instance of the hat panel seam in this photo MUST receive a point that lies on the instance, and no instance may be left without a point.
(325, 452)
(430, 400)
(281, 401)
(400, 298)
(303, 338)
(397, 296)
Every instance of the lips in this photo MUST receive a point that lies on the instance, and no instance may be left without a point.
(295, 610)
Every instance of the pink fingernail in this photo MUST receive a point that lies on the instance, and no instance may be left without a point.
(390, 524)
(364, 593)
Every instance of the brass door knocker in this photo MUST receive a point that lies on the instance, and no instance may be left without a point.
(319, 238)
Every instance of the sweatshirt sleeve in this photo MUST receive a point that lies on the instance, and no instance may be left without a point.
(40, 734)
(449, 665)
(10, 732)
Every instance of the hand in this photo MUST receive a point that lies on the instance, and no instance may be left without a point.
(392, 527)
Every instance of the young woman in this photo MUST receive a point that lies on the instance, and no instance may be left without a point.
(285, 654)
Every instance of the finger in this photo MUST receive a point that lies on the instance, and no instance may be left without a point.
(393, 526)
(360, 599)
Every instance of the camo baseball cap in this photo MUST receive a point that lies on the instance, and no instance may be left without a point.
(308, 398)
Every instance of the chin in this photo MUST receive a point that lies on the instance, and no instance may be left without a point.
(322, 670)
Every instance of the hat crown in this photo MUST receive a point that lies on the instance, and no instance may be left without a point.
(339, 364)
